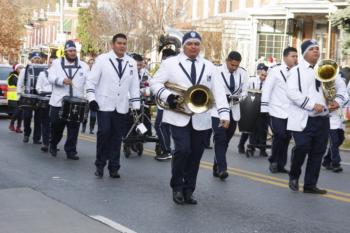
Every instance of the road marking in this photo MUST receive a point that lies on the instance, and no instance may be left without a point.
(112, 224)
(266, 179)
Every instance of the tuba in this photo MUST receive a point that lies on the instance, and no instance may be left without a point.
(326, 72)
(196, 99)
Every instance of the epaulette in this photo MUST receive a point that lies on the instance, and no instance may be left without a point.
(242, 68)
(275, 65)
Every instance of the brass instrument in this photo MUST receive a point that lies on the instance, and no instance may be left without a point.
(326, 72)
(196, 99)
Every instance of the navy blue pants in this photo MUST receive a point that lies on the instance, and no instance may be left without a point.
(112, 127)
(280, 141)
(207, 141)
(189, 148)
(163, 132)
(92, 117)
(312, 141)
(45, 124)
(57, 128)
(337, 138)
(222, 139)
(27, 119)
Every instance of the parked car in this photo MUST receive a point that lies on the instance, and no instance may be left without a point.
(4, 72)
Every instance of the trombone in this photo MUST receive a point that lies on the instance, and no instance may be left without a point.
(196, 99)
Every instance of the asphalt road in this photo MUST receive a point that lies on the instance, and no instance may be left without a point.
(251, 200)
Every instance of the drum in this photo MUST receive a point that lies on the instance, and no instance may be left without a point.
(28, 101)
(74, 109)
(43, 102)
(250, 110)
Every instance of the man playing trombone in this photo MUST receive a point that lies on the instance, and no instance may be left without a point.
(234, 80)
(189, 131)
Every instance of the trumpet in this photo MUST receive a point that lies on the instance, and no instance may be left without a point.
(326, 72)
(196, 99)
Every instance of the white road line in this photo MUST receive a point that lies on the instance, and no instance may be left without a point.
(112, 224)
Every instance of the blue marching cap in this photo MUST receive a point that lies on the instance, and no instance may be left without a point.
(308, 44)
(35, 55)
(70, 45)
(191, 36)
(261, 66)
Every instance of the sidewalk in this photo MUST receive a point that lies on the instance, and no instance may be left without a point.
(25, 210)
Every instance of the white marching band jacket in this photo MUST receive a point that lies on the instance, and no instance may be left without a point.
(57, 74)
(240, 89)
(336, 118)
(255, 83)
(112, 89)
(173, 70)
(274, 99)
(303, 93)
(42, 84)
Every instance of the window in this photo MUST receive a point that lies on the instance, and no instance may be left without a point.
(271, 45)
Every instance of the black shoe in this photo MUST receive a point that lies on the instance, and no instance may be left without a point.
(37, 142)
(91, 131)
(44, 148)
(53, 151)
(26, 139)
(241, 149)
(263, 154)
(72, 157)
(327, 165)
(273, 167)
(189, 199)
(99, 172)
(249, 153)
(178, 197)
(208, 147)
(114, 174)
(315, 190)
(294, 184)
(164, 156)
(337, 169)
(282, 170)
(223, 175)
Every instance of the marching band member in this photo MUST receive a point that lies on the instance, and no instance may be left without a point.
(68, 76)
(336, 134)
(244, 136)
(234, 79)
(12, 98)
(92, 114)
(112, 80)
(309, 120)
(274, 100)
(44, 88)
(259, 136)
(144, 77)
(162, 128)
(35, 58)
(188, 132)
